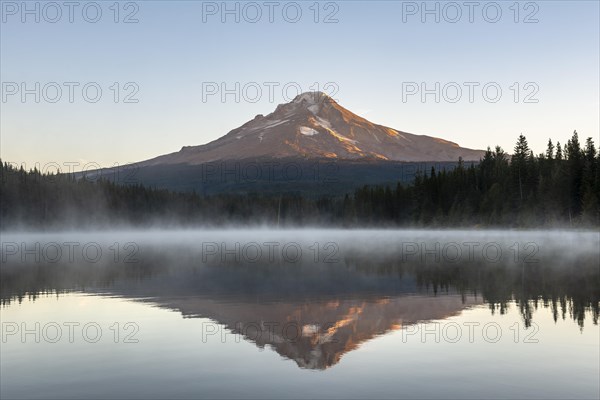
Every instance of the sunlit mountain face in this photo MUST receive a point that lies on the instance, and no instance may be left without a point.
(311, 145)
(317, 307)
(315, 126)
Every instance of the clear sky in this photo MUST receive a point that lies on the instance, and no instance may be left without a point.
(370, 55)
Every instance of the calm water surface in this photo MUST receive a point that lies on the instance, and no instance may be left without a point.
(300, 314)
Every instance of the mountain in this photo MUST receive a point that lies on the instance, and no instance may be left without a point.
(311, 145)
(314, 126)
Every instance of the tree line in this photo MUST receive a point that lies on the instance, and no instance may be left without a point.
(560, 187)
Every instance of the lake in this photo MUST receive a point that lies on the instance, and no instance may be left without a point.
(311, 313)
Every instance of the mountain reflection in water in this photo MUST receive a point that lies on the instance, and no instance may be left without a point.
(328, 307)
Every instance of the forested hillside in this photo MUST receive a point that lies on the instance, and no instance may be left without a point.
(560, 187)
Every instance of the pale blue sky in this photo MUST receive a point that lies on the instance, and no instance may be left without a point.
(369, 54)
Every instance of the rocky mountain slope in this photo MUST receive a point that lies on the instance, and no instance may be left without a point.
(314, 126)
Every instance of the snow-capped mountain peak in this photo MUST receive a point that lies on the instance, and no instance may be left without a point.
(313, 125)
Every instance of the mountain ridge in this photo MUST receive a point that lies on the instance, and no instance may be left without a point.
(314, 126)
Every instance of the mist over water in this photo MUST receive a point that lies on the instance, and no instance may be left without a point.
(257, 245)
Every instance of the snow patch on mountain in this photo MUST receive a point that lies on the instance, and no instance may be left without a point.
(314, 109)
(265, 124)
(275, 123)
(308, 131)
(322, 122)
